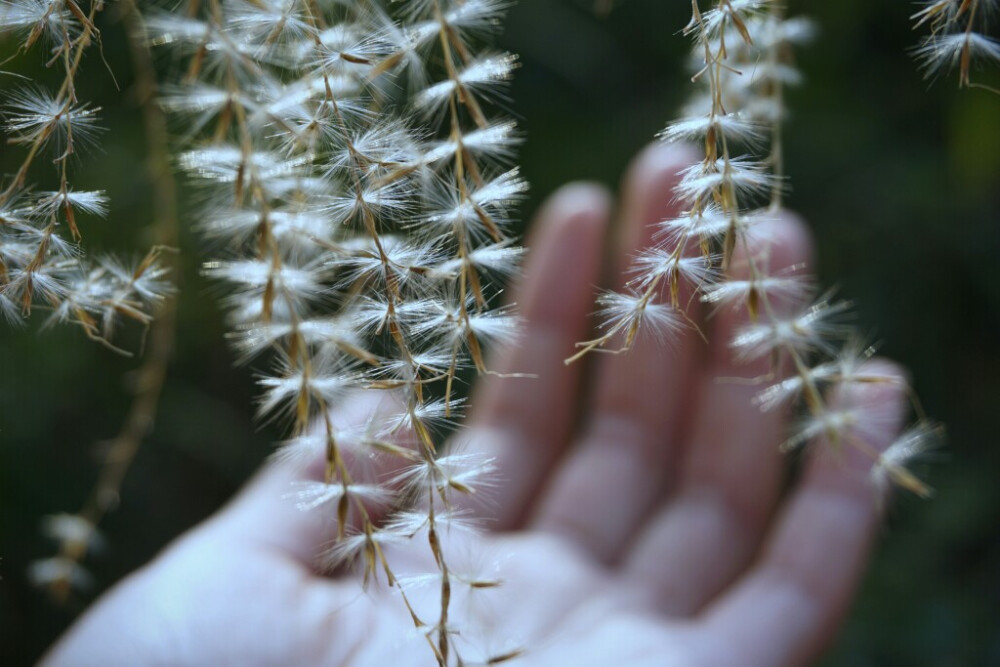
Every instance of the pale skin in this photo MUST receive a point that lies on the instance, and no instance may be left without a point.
(639, 508)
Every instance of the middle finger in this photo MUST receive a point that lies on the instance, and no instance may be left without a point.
(622, 462)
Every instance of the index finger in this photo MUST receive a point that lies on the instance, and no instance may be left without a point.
(524, 423)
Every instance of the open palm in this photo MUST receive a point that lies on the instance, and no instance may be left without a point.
(639, 517)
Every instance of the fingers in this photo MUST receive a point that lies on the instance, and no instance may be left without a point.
(710, 530)
(621, 465)
(787, 608)
(524, 423)
(520, 421)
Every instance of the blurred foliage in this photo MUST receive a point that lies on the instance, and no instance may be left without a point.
(900, 180)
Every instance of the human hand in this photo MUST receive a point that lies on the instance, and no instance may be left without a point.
(638, 517)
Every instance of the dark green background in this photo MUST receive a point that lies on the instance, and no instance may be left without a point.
(899, 180)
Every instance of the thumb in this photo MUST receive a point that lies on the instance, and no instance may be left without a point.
(285, 506)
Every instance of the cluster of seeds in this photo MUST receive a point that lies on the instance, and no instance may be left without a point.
(42, 262)
(357, 193)
(957, 37)
(716, 250)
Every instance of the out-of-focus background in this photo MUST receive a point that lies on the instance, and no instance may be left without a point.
(899, 178)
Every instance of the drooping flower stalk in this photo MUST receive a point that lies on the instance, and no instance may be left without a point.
(742, 51)
(40, 265)
(360, 193)
(957, 38)
(77, 534)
